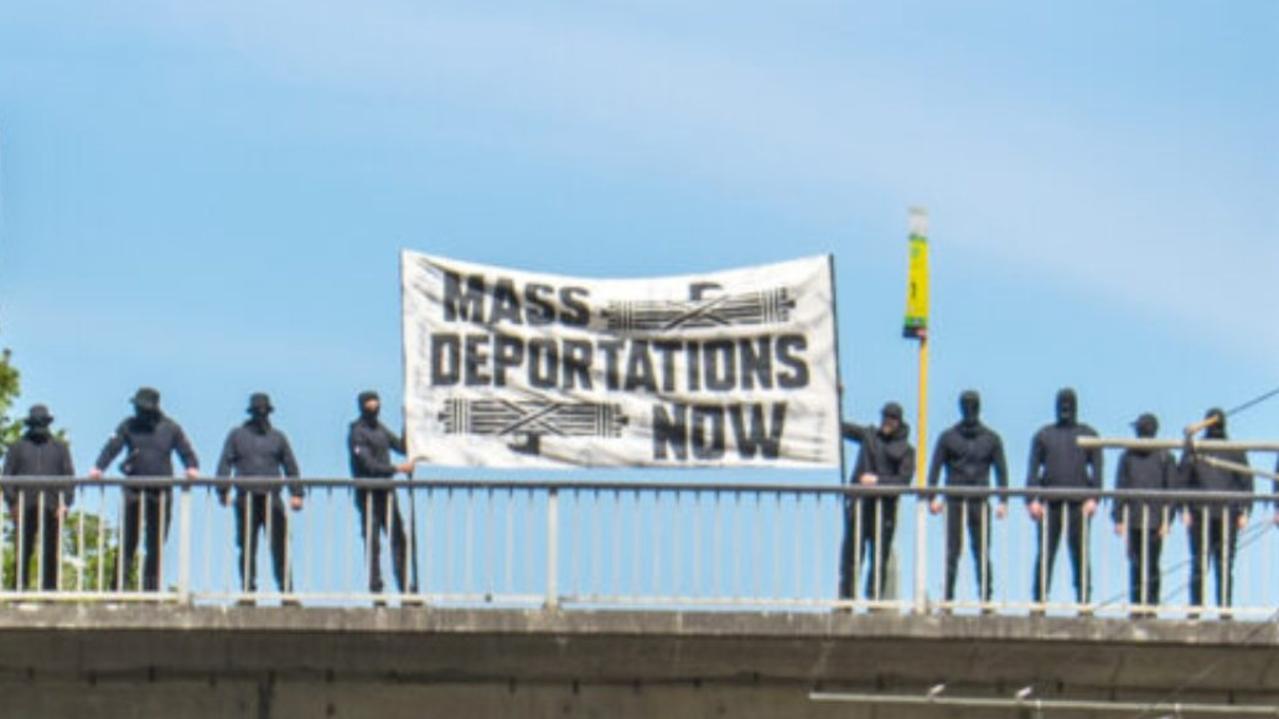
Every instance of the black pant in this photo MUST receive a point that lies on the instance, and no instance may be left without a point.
(859, 542)
(1058, 515)
(1220, 529)
(41, 524)
(1153, 545)
(146, 512)
(378, 508)
(251, 518)
(976, 513)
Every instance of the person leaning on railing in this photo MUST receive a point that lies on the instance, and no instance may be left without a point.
(1213, 527)
(1058, 462)
(38, 511)
(1144, 524)
(152, 439)
(969, 451)
(886, 458)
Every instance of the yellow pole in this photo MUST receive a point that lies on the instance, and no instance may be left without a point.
(916, 327)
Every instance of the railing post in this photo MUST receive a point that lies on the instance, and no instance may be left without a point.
(184, 545)
(552, 548)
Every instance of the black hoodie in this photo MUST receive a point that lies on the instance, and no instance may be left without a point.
(890, 458)
(968, 451)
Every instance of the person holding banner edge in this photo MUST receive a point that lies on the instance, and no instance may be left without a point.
(370, 444)
(886, 458)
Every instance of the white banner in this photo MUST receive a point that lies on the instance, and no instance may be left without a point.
(514, 369)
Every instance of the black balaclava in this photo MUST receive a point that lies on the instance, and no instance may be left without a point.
(1218, 428)
(146, 405)
(970, 409)
(892, 410)
(38, 421)
(1067, 407)
(365, 414)
(1147, 426)
(260, 410)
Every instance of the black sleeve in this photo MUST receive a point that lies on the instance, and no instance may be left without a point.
(11, 466)
(853, 432)
(1001, 467)
(939, 459)
(290, 465)
(67, 470)
(225, 463)
(1245, 482)
(113, 446)
(396, 441)
(1095, 478)
(1036, 460)
(905, 469)
(183, 447)
(363, 458)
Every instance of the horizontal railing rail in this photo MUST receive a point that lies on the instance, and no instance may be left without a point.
(648, 544)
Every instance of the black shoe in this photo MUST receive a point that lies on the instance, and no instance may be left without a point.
(245, 602)
(379, 603)
(412, 602)
(290, 603)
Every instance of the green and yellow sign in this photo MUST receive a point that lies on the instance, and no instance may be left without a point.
(916, 324)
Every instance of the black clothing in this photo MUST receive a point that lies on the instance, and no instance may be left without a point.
(1197, 475)
(1057, 461)
(39, 455)
(151, 439)
(1144, 470)
(370, 444)
(150, 444)
(968, 451)
(251, 519)
(892, 459)
(1061, 516)
(1207, 551)
(980, 533)
(256, 449)
(380, 512)
(1149, 541)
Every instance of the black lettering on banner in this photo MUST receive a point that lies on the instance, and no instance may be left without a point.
(694, 376)
(537, 310)
(477, 358)
(787, 345)
(446, 361)
(667, 349)
(508, 352)
(506, 304)
(708, 441)
(610, 348)
(752, 440)
(543, 363)
(468, 305)
(757, 365)
(639, 368)
(721, 365)
(577, 363)
(571, 298)
(670, 431)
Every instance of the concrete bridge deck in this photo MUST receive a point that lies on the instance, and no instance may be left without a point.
(163, 660)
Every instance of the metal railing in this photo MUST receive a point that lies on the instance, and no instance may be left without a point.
(648, 545)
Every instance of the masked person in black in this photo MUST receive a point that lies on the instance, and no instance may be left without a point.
(886, 458)
(1213, 527)
(256, 449)
(1058, 462)
(968, 451)
(370, 444)
(1144, 523)
(151, 439)
(38, 511)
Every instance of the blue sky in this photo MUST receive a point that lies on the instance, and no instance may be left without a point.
(209, 197)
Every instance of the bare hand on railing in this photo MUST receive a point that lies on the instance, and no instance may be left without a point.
(1242, 522)
(935, 507)
(295, 503)
(1001, 511)
(868, 479)
(1164, 529)
(95, 473)
(1188, 518)
(1119, 529)
(1090, 507)
(1036, 510)
(406, 467)
(193, 473)
(62, 513)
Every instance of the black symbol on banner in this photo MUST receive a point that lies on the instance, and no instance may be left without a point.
(530, 420)
(750, 308)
